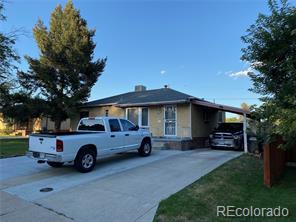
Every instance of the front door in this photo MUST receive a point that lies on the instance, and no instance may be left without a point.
(170, 123)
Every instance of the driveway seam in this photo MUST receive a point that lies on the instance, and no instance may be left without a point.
(139, 217)
(52, 210)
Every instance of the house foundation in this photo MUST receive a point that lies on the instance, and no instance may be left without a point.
(181, 143)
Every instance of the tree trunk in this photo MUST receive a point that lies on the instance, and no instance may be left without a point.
(57, 124)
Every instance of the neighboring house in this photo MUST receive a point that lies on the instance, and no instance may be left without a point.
(19, 129)
(33, 125)
(177, 120)
(48, 124)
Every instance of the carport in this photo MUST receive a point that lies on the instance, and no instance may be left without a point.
(245, 113)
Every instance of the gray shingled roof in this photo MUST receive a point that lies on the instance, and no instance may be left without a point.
(148, 97)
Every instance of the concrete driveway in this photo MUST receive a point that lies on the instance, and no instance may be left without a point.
(123, 187)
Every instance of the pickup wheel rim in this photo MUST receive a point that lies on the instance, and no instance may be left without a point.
(87, 161)
(147, 148)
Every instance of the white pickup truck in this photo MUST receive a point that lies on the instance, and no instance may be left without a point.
(95, 137)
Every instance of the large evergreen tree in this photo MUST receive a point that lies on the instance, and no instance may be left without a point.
(66, 71)
(8, 57)
(271, 50)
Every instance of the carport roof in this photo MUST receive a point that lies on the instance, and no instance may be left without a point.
(159, 97)
(221, 107)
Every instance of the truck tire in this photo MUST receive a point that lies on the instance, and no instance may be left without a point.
(85, 160)
(55, 164)
(145, 148)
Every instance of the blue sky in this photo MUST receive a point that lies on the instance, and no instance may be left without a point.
(193, 46)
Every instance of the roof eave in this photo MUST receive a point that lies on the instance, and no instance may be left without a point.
(98, 105)
(222, 107)
(152, 103)
(136, 104)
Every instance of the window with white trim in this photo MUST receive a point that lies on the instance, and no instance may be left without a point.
(144, 117)
(132, 115)
(138, 116)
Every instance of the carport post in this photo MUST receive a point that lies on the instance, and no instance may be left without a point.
(245, 134)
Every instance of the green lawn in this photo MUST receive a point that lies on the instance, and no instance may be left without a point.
(12, 147)
(237, 183)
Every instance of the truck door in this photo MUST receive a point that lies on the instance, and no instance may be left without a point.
(117, 138)
(131, 134)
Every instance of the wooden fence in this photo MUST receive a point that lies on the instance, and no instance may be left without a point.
(275, 160)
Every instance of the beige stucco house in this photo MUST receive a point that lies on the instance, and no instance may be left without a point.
(176, 119)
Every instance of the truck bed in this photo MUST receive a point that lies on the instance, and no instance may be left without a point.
(55, 134)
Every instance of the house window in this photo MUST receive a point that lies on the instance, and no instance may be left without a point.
(138, 116)
(170, 120)
(144, 117)
(84, 114)
(133, 115)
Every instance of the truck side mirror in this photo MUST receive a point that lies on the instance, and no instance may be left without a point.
(134, 128)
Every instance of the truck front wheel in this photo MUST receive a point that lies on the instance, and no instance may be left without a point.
(55, 164)
(85, 160)
(145, 148)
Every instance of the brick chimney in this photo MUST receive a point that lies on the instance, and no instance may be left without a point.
(140, 88)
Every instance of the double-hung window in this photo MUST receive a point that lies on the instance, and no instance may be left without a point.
(138, 116)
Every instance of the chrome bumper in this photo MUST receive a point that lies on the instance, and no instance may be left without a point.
(44, 156)
(222, 143)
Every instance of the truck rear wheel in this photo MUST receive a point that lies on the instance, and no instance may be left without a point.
(85, 160)
(145, 148)
(55, 164)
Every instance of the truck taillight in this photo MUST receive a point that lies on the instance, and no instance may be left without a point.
(59, 146)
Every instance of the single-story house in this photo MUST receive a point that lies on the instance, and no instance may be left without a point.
(19, 129)
(175, 119)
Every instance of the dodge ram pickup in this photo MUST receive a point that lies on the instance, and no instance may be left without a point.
(95, 137)
(227, 135)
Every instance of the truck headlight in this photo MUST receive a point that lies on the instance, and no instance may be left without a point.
(236, 137)
(211, 136)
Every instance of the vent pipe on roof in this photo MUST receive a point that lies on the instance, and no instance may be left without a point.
(166, 86)
(140, 88)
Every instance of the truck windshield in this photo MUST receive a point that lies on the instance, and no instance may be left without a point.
(230, 127)
(91, 125)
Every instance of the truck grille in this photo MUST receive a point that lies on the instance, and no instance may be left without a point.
(223, 136)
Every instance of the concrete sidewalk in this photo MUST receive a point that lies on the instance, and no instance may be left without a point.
(16, 209)
(130, 194)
